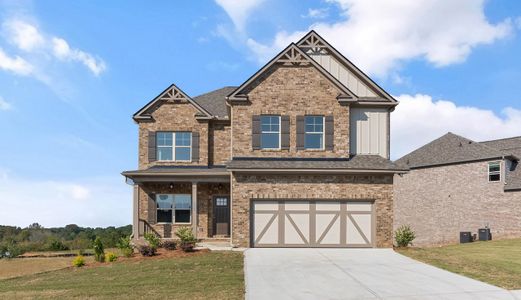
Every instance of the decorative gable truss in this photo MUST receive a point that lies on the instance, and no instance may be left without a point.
(171, 94)
(367, 90)
(293, 56)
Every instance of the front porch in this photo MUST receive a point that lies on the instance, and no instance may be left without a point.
(166, 199)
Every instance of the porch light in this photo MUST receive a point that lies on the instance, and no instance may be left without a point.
(171, 185)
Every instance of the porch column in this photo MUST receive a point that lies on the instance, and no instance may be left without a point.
(194, 208)
(135, 212)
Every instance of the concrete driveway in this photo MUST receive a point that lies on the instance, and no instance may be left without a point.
(354, 274)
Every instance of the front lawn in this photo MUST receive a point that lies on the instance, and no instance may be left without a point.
(495, 262)
(205, 275)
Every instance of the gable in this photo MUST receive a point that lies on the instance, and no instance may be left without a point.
(171, 94)
(343, 69)
(292, 56)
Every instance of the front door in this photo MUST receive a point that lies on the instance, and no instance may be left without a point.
(221, 215)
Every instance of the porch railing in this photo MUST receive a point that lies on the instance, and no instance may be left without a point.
(145, 227)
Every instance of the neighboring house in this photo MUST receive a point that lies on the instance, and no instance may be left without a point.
(455, 184)
(296, 156)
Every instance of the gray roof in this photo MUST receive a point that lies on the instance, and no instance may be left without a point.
(177, 171)
(215, 101)
(449, 149)
(509, 145)
(357, 162)
(455, 149)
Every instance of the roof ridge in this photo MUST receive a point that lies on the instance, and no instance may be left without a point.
(502, 139)
(215, 90)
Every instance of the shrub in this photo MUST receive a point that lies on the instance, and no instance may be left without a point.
(146, 250)
(169, 245)
(152, 240)
(125, 246)
(404, 236)
(10, 250)
(78, 261)
(99, 251)
(56, 245)
(111, 257)
(187, 238)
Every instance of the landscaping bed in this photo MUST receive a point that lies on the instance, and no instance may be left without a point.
(494, 262)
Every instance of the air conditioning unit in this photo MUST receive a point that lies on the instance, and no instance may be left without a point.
(465, 237)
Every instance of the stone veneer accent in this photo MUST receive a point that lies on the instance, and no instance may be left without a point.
(291, 91)
(318, 187)
(205, 193)
(178, 116)
(439, 202)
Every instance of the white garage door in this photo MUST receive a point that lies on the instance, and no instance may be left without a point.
(294, 223)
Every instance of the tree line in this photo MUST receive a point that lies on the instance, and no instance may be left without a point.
(38, 238)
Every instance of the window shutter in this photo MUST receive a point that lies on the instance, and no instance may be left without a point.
(195, 146)
(152, 146)
(284, 132)
(329, 130)
(255, 132)
(152, 208)
(301, 131)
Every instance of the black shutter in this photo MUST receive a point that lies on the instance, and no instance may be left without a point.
(284, 132)
(152, 208)
(255, 132)
(152, 146)
(301, 131)
(195, 146)
(329, 130)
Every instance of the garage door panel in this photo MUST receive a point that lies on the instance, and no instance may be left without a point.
(359, 229)
(312, 223)
(266, 229)
(296, 229)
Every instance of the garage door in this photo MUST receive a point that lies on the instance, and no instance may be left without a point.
(293, 223)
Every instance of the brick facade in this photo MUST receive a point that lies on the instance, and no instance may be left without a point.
(319, 187)
(220, 137)
(291, 91)
(205, 194)
(439, 202)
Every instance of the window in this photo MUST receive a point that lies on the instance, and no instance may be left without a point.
(494, 171)
(221, 201)
(176, 146)
(174, 208)
(314, 137)
(270, 132)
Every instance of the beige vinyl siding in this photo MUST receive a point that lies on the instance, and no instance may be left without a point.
(368, 131)
(340, 72)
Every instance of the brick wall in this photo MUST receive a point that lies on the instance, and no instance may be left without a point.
(290, 91)
(179, 116)
(205, 193)
(220, 137)
(440, 202)
(320, 187)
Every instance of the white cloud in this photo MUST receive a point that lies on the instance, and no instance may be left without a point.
(316, 13)
(103, 201)
(14, 64)
(419, 119)
(239, 11)
(24, 35)
(4, 105)
(31, 40)
(378, 35)
(63, 51)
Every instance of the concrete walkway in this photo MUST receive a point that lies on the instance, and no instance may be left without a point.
(355, 274)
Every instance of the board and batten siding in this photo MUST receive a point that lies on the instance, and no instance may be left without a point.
(368, 131)
(340, 72)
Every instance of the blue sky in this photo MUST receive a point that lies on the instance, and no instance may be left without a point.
(73, 72)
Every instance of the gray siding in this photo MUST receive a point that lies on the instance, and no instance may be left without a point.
(369, 131)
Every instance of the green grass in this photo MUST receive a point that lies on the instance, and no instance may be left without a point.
(214, 275)
(495, 262)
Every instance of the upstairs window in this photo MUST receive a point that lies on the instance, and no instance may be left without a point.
(270, 132)
(174, 146)
(314, 136)
(494, 171)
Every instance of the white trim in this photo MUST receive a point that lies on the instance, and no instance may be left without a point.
(271, 132)
(173, 209)
(173, 133)
(323, 145)
(489, 173)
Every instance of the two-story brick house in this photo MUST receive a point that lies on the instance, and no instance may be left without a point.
(296, 156)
